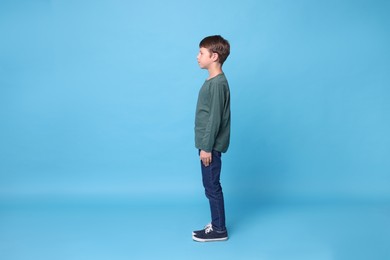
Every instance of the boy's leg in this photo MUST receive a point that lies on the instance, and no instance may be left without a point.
(213, 190)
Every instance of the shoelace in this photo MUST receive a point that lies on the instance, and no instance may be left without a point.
(208, 229)
(208, 225)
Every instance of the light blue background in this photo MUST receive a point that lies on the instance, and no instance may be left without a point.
(98, 97)
(97, 102)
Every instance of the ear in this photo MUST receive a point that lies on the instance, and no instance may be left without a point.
(215, 56)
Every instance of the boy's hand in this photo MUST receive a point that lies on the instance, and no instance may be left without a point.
(205, 157)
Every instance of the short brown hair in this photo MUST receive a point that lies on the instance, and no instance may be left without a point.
(216, 44)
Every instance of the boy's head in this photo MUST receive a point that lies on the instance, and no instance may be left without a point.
(216, 44)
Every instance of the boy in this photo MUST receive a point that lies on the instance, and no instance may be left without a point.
(212, 132)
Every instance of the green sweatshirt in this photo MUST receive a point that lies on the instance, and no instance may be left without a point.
(212, 119)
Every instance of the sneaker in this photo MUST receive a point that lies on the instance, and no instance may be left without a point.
(208, 235)
(199, 231)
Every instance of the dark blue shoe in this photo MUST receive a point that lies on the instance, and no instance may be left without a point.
(209, 235)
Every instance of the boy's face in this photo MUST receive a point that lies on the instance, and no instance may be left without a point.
(205, 58)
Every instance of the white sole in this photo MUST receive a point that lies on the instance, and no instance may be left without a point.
(209, 240)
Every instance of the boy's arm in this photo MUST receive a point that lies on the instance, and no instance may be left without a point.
(217, 99)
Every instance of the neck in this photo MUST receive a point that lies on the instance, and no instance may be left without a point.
(214, 71)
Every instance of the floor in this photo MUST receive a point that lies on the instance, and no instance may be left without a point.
(73, 229)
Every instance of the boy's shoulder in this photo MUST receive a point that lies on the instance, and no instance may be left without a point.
(220, 78)
(217, 84)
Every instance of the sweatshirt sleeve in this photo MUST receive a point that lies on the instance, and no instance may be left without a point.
(217, 98)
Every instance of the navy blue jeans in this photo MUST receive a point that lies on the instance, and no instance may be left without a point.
(213, 189)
